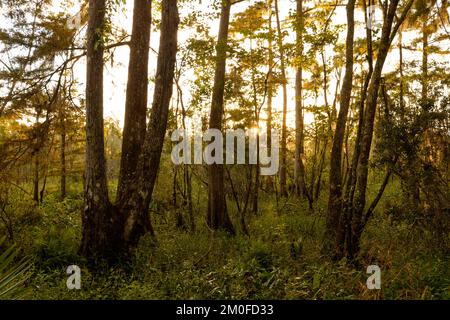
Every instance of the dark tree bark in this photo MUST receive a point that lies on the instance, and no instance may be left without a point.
(283, 190)
(36, 158)
(350, 183)
(270, 89)
(36, 178)
(424, 60)
(377, 198)
(187, 175)
(367, 132)
(353, 221)
(217, 215)
(299, 168)
(110, 233)
(335, 196)
(323, 154)
(135, 209)
(257, 110)
(402, 85)
(136, 97)
(63, 165)
(99, 222)
(255, 197)
(62, 152)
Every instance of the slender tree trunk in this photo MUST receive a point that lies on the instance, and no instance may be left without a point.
(402, 94)
(283, 190)
(270, 90)
(350, 187)
(36, 178)
(44, 184)
(36, 159)
(321, 167)
(186, 171)
(354, 219)
(413, 181)
(299, 168)
(366, 142)
(310, 192)
(98, 218)
(256, 112)
(335, 196)
(136, 97)
(243, 212)
(178, 210)
(325, 78)
(314, 196)
(424, 60)
(217, 215)
(62, 154)
(188, 183)
(377, 198)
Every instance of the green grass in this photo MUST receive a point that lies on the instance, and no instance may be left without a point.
(281, 259)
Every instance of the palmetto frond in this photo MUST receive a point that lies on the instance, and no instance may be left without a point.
(13, 273)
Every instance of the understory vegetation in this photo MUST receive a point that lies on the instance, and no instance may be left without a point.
(280, 259)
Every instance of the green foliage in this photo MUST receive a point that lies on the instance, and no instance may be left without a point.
(281, 259)
(13, 272)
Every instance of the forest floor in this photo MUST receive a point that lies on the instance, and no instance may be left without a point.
(280, 259)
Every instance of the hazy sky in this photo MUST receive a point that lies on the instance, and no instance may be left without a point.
(115, 78)
(116, 74)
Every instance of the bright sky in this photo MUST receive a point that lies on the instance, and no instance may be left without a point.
(116, 74)
(115, 78)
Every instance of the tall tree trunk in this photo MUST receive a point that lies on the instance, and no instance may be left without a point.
(136, 97)
(217, 215)
(283, 190)
(413, 180)
(366, 142)
(335, 196)
(135, 209)
(270, 92)
(402, 93)
(425, 101)
(350, 183)
(98, 218)
(36, 178)
(186, 171)
(188, 183)
(424, 60)
(36, 158)
(62, 153)
(299, 168)
(320, 172)
(256, 112)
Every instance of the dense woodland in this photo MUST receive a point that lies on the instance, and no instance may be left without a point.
(358, 91)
